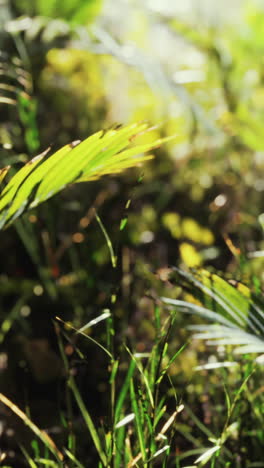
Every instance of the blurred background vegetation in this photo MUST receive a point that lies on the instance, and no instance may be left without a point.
(194, 70)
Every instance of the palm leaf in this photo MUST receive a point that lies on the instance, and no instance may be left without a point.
(237, 312)
(103, 153)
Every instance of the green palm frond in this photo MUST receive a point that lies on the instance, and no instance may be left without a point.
(103, 153)
(237, 313)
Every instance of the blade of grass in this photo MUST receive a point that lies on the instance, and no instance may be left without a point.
(42, 435)
(121, 447)
(164, 371)
(145, 380)
(45, 462)
(124, 390)
(120, 433)
(30, 461)
(88, 420)
(96, 320)
(68, 325)
(74, 459)
(108, 240)
(139, 422)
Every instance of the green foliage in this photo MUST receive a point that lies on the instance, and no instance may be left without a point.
(141, 428)
(238, 312)
(85, 354)
(74, 11)
(100, 154)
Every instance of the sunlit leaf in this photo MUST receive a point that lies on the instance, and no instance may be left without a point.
(127, 419)
(207, 455)
(101, 154)
(96, 320)
(238, 313)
